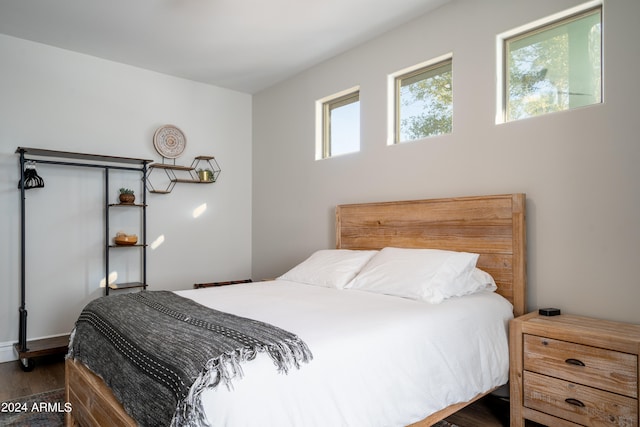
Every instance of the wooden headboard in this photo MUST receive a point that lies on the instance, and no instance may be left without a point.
(492, 226)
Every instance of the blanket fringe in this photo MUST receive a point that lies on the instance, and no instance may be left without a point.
(72, 336)
(226, 367)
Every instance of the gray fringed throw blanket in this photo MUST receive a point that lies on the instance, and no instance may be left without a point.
(158, 351)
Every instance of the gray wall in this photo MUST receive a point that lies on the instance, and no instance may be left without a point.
(579, 168)
(61, 100)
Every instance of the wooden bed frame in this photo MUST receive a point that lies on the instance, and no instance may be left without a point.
(493, 226)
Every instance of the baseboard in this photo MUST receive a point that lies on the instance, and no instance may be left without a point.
(7, 352)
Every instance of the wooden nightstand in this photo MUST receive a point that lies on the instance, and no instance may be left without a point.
(573, 371)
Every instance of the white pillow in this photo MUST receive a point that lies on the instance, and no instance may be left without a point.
(480, 281)
(331, 268)
(430, 275)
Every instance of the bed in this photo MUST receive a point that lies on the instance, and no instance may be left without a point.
(491, 226)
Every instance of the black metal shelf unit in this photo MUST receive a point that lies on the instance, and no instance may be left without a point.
(194, 177)
(27, 350)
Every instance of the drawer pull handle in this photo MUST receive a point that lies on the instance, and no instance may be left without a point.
(574, 362)
(574, 402)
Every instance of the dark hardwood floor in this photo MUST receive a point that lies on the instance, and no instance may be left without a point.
(489, 411)
(49, 375)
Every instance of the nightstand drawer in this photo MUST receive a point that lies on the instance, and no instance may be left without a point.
(577, 403)
(596, 367)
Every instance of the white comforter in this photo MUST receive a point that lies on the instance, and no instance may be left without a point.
(377, 360)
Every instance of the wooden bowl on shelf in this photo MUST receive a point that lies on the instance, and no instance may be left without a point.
(126, 239)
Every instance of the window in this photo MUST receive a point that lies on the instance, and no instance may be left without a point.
(554, 67)
(338, 124)
(423, 101)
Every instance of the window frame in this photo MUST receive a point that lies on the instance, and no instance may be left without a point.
(531, 29)
(395, 85)
(324, 107)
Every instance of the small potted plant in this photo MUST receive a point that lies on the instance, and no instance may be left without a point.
(205, 175)
(127, 196)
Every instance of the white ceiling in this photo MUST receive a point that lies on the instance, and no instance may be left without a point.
(245, 45)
